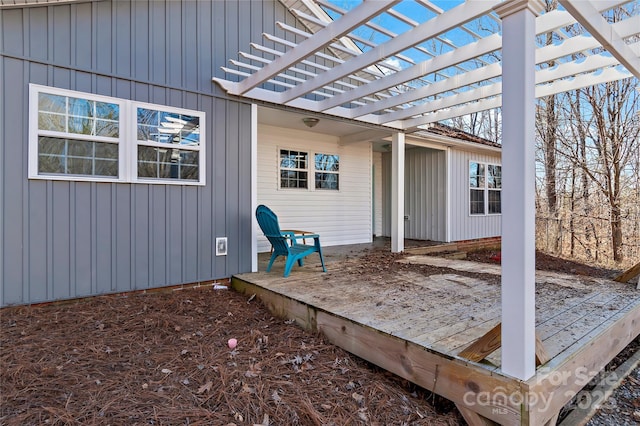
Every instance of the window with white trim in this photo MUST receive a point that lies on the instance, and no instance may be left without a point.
(327, 167)
(86, 137)
(485, 188)
(294, 169)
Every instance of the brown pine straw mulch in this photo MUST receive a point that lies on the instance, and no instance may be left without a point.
(163, 359)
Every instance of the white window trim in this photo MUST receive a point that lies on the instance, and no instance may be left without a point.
(485, 190)
(311, 170)
(325, 171)
(279, 149)
(127, 139)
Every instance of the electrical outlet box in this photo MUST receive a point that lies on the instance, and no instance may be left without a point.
(221, 246)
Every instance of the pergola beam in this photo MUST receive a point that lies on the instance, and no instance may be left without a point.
(445, 22)
(324, 37)
(605, 33)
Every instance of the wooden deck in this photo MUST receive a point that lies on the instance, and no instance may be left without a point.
(414, 324)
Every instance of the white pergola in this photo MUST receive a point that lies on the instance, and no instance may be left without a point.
(438, 64)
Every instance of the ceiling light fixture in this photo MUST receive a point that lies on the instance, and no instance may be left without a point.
(310, 121)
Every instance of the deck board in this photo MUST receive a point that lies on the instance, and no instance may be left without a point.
(446, 311)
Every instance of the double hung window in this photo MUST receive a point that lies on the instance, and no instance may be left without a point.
(485, 188)
(87, 137)
(295, 168)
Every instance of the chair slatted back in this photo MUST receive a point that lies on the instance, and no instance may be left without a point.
(268, 222)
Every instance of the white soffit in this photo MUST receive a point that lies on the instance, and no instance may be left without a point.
(407, 63)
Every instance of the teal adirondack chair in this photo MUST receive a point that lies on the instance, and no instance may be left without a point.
(285, 243)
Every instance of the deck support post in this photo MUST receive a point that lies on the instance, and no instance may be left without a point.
(397, 192)
(518, 186)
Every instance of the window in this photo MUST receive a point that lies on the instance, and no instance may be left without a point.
(86, 137)
(168, 145)
(327, 167)
(485, 188)
(295, 167)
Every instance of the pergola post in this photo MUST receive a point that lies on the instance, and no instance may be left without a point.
(518, 186)
(397, 192)
(254, 187)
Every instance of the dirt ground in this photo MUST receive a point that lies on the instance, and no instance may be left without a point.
(164, 358)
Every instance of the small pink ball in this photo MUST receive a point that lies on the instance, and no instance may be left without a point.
(232, 343)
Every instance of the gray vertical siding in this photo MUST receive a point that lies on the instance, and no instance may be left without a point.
(70, 239)
(425, 194)
(463, 225)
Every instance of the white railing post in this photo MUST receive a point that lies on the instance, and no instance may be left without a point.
(397, 192)
(518, 186)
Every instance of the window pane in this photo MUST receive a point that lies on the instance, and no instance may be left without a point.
(495, 205)
(50, 164)
(81, 107)
(107, 111)
(327, 162)
(79, 166)
(327, 181)
(107, 128)
(168, 163)
(293, 179)
(477, 201)
(476, 175)
(80, 148)
(75, 157)
(106, 168)
(53, 122)
(293, 159)
(494, 177)
(51, 146)
(168, 127)
(52, 103)
(106, 150)
(83, 126)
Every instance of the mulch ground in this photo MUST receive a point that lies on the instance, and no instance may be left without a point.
(163, 358)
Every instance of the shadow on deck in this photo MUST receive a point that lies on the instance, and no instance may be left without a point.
(415, 319)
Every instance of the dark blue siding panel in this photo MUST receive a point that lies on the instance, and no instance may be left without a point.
(158, 238)
(12, 169)
(12, 35)
(104, 241)
(38, 272)
(122, 234)
(140, 237)
(60, 225)
(83, 29)
(61, 33)
(82, 239)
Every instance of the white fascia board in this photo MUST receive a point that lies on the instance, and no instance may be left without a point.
(442, 142)
(445, 22)
(322, 38)
(590, 18)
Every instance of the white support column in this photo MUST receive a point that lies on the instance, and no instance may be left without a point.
(254, 187)
(397, 192)
(518, 186)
